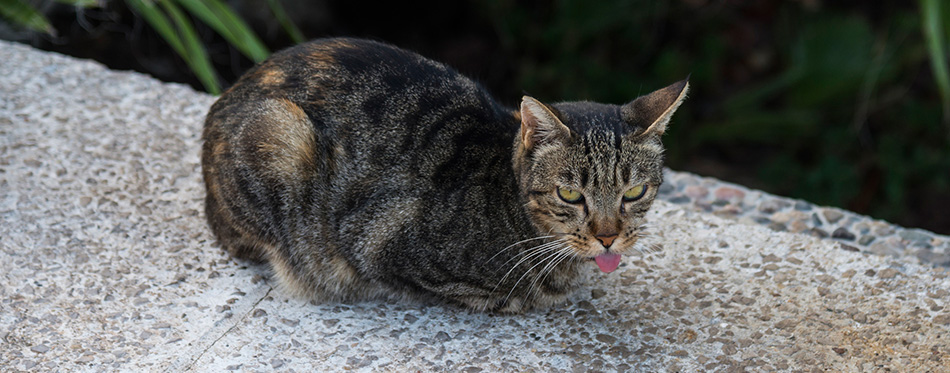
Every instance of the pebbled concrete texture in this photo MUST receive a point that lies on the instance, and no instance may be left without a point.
(106, 264)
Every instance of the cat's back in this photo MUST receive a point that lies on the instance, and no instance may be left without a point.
(365, 113)
(334, 123)
(350, 86)
(341, 149)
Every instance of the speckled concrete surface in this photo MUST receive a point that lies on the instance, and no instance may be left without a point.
(107, 265)
(855, 232)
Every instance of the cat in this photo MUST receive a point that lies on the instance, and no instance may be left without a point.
(359, 170)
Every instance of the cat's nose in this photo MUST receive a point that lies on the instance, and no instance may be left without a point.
(606, 239)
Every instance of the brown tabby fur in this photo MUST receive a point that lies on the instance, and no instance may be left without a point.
(359, 170)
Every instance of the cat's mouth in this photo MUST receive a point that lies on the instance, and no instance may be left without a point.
(607, 262)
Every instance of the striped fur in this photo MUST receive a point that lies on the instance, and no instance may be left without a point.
(359, 170)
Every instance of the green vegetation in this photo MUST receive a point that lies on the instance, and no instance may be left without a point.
(833, 106)
(175, 27)
(24, 15)
(937, 30)
(838, 103)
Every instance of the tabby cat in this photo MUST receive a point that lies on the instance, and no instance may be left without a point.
(360, 170)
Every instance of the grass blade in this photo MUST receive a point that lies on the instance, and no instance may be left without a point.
(936, 44)
(198, 60)
(189, 50)
(226, 23)
(80, 3)
(157, 19)
(201, 10)
(285, 22)
(255, 49)
(23, 14)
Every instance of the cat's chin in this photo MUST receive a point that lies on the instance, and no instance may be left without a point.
(607, 262)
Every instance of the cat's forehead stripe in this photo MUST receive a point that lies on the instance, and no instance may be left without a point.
(608, 159)
(618, 150)
(603, 159)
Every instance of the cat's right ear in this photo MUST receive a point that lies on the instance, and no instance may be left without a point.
(539, 125)
(651, 113)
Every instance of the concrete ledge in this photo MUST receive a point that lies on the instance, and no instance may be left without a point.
(107, 264)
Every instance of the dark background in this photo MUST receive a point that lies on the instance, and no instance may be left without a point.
(830, 101)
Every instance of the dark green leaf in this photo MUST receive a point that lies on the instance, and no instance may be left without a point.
(157, 19)
(224, 21)
(23, 14)
(81, 3)
(285, 22)
(197, 56)
(936, 45)
(180, 36)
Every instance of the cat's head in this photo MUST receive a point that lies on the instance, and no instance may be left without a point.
(590, 172)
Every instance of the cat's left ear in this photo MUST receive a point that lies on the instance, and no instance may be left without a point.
(539, 125)
(652, 112)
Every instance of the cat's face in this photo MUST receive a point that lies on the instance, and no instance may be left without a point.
(590, 172)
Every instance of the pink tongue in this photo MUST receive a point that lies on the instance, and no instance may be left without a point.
(607, 262)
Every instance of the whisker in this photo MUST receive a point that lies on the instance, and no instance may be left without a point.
(528, 254)
(517, 243)
(563, 253)
(640, 246)
(647, 248)
(550, 259)
(556, 251)
(528, 251)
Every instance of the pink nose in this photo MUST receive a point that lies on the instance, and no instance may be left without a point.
(606, 239)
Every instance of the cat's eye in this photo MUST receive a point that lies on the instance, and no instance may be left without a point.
(635, 193)
(569, 195)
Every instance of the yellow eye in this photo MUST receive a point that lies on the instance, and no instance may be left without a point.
(635, 193)
(569, 195)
